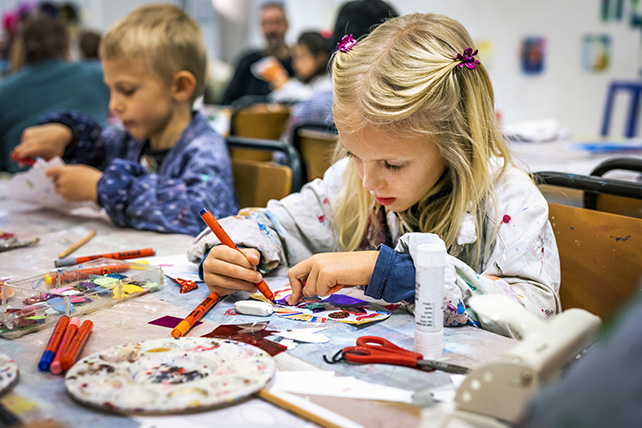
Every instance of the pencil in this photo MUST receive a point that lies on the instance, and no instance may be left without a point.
(286, 405)
(77, 245)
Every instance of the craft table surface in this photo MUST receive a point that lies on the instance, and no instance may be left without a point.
(128, 321)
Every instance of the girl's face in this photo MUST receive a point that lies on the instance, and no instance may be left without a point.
(398, 171)
(305, 63)
(140, 99)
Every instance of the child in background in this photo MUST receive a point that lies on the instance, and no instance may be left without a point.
(415, 113)
(167, 163)
(310, 62)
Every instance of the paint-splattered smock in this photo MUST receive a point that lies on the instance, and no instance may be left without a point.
(521, 259)
(163, 196)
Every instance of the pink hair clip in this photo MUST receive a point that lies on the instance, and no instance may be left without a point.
(347, 42)
(467, 58)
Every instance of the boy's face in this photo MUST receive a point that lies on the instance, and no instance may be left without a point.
(140, 99)
(398, 171)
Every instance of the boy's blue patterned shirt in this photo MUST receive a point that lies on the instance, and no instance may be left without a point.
(194, 174)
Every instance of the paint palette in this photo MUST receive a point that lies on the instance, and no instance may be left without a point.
(8, 372)
(169, 375)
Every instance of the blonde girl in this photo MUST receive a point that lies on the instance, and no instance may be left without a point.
(423, 161)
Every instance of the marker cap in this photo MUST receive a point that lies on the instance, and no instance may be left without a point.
(67, 261)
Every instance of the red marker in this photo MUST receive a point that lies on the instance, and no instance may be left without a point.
(209, 219)
(54, 343)
(72, 328)
(121, 255)
(84, 273)
(68, 357)
(24, 161)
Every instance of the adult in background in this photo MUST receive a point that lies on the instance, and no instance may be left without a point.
(47, 83)
(274, 26)
(356, 17)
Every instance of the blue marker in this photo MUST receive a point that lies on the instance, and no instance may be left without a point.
(54, 342)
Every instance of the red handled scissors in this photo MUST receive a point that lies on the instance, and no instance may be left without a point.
(373, 349)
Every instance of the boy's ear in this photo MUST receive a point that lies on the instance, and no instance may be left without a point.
(183, 87)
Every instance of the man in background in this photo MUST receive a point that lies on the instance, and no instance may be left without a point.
(274, 26)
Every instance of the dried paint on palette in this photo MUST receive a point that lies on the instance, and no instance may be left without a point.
(169, 375)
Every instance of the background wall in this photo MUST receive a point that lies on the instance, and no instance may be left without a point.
(563, 91)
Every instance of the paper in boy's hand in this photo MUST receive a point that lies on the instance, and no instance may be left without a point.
(269, 69)
(34, 186)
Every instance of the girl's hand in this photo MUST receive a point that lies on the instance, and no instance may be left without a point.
(226, 271)
(45, 141)
(325, 273)
(75, 182)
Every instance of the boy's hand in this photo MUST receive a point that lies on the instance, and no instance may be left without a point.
(75, 182)
(227, 271)
(45, 141)
(325, 273)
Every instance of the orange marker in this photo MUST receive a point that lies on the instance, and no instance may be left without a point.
(121, 255)
(184, 326)
(69, 355)
(209, 219)
(72, 328)
(84, 273)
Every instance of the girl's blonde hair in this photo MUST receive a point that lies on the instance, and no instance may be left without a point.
(403, 79)
(165, 38)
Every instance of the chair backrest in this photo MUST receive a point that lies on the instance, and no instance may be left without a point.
(257, 182)
(316, 149)
(291, 156)
(600, 256)
(316, 143)
(627, 193)
(615, 204)
(264, 121)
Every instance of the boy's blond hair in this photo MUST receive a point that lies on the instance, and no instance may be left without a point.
(403, 79)
(165, 38)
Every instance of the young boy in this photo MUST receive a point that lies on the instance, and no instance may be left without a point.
(167, 163)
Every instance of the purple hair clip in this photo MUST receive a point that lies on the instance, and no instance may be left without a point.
(467, 58)
(347, 42)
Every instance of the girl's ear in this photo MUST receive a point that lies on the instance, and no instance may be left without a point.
(183, 86)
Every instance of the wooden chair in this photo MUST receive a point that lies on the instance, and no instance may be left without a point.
(570, 184)
(292, 159)
(600, 257)
(315, 143)
(257, 182)
(264, 121)
(599, 251)
(615, 204)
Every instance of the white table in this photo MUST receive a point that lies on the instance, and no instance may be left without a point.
(42, 395)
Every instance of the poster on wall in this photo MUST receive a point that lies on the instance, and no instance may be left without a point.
(533, 54)
(596, 52)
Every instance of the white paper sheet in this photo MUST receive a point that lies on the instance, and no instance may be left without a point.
(321, 382)
(35, 187)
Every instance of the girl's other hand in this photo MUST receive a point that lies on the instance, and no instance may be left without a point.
(45, 141)
(75, 182)
(226, 270)
(326, 273)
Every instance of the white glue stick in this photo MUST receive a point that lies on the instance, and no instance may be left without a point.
(429, 295)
